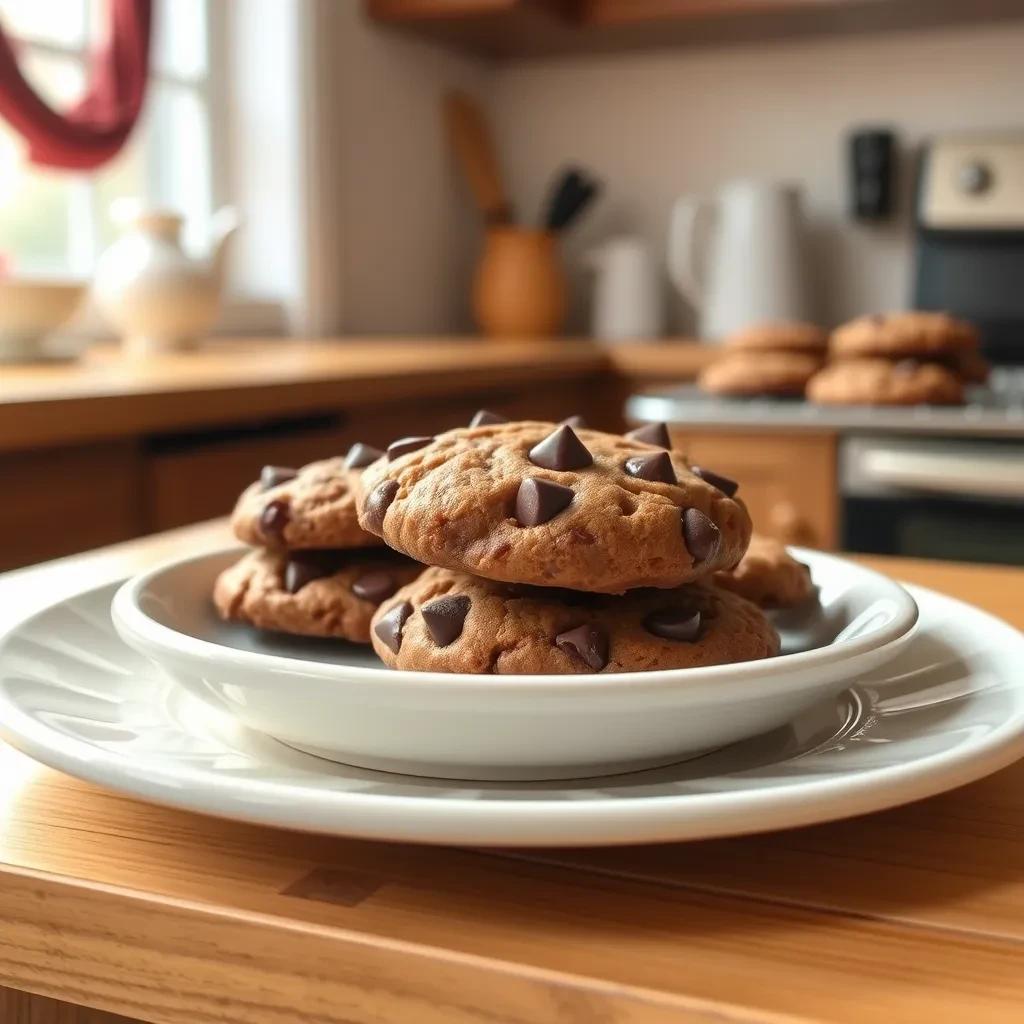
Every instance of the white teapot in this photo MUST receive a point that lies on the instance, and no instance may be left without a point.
(158, 297)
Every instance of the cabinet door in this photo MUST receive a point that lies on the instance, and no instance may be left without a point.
(65, 500)
(788, 481)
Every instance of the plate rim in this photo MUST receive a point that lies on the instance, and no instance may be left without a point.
(136, 627)
(598, 821)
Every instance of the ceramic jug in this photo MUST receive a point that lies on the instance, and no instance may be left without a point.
(738, 256)
(627, 303)
(156, 295)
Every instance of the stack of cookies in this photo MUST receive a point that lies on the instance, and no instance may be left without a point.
(554, 548)
(313, 571)
(906, 358)
(776, 359)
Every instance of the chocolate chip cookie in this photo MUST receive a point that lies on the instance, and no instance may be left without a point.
(544, 504)
(884, 382)
(781, 336)
(768, 575)
(745, 374)
(903, 335)
(449, 621)
(311, 507)
(312, 593)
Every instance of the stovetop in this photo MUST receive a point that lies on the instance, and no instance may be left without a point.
(995, 410)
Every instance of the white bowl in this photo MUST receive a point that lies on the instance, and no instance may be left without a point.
(336, 700)
(31, 309)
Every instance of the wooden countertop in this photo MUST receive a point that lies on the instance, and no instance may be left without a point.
(912, 915)
(105, 395)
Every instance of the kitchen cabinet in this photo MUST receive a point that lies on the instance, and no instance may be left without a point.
(787, 480)
(506, 29)
(66, 499)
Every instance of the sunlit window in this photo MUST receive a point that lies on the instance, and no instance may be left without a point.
(57, 222)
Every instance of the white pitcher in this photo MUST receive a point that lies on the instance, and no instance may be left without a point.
(739, 257)
(628, 303)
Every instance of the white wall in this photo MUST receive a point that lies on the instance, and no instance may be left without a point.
(407, 232)
(656, 125)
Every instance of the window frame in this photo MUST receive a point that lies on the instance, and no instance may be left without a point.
(84, 212)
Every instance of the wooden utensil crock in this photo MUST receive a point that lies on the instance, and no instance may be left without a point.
(520, 289)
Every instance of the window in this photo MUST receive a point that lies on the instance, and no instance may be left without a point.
(57, 222)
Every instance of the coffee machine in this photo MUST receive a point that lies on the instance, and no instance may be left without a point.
(969, 236)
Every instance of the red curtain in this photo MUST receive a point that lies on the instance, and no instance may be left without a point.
(98, 126)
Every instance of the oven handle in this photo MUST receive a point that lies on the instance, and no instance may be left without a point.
(981, 474)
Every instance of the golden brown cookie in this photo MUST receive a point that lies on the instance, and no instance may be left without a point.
(903, 335)
(537, 503)
(312, 593)
(312, 507)
(779, 336)
(883, 382)
(453, 622)
(768, 575)
(745, 374)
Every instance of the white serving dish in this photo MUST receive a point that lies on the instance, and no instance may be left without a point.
(337, 701)
(947, 710)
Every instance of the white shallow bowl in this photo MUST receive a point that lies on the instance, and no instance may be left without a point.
(337, 701)
(31, 309)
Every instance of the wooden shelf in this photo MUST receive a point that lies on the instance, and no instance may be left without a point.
(508, 29)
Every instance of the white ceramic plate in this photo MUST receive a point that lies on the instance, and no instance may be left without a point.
(336, 700)
(948, 710)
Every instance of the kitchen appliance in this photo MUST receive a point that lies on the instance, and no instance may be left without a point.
(871, 154)
(970, 236)
(738, 257)
(627, 301)
(955, 498)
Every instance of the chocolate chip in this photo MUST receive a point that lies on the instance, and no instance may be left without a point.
(404, 445)
(378, 503)
(701, 535)
(589, 643)
(652, 433)
(303, 567)
(723, 483)
(674, 624)
(361, 455)
(561, 449)
(539, 500)
(577, 422)
(375, 586)
(272, 476)
(656, 466)
(273, 519)
(389, 627)
(484, 418)
(445, 617)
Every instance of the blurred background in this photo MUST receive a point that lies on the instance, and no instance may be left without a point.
(253, 232)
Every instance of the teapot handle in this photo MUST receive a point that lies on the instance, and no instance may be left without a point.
(685, 261)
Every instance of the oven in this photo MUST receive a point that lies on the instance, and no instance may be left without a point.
(935, 497)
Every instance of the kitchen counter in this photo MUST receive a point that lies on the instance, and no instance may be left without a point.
(911, 915)
(987, 414)
(107, 396)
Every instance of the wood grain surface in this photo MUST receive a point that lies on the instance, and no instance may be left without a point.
(911, 915)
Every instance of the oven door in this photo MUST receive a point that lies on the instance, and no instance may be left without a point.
(935, 498)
